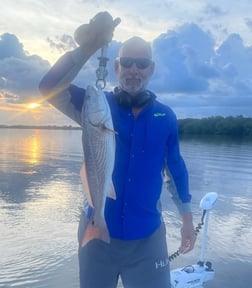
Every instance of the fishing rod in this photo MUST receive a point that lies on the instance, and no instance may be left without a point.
(194, 276)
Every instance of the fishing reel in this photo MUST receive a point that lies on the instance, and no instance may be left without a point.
(194, 276)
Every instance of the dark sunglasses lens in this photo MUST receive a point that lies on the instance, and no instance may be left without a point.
(126, 62)
(142, 63)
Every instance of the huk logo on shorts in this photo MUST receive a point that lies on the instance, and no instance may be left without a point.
(162, 263)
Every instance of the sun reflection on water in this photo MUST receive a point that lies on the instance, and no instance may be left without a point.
(33, 148)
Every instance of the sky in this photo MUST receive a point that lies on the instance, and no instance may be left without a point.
(202, 51)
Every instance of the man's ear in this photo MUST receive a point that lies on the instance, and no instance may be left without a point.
(152, 68)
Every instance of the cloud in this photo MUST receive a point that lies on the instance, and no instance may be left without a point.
(10, 47)
(248, 22)
(189, 64)
(191, 71)
(233, 61)
(19, 71)
(214, 10)
(183, 60)
(62, 43)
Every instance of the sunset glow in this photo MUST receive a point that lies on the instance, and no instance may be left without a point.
(33, 105)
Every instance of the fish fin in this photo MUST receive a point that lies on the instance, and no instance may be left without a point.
(112, 193)
(111, 130)
(95, 232)
(104, 127)
(84, 180)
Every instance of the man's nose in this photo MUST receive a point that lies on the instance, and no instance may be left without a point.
(133, 68)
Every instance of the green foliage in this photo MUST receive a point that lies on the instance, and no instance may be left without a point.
(238, 126)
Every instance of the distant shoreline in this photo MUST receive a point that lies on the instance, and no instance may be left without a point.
(45, 127)
(238, 126)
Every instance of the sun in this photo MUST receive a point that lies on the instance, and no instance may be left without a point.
(33, 105)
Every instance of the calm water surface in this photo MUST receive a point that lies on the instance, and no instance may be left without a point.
(41, 198)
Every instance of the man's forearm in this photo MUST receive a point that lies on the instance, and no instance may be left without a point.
(187, 218)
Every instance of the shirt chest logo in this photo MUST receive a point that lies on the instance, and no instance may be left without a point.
(159, 114)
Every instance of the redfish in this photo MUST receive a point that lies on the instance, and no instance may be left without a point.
(98, 139)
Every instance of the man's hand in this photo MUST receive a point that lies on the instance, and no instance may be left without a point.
(188, 236)
(97, 33)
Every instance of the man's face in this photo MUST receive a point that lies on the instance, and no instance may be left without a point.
(134, 68)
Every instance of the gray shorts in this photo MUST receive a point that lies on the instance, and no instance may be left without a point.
(140, 263)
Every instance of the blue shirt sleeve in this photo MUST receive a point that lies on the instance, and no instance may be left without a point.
(177, 170)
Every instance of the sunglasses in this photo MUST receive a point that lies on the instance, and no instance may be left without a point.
(141, 63)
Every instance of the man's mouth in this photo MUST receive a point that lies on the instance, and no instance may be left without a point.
(133, 81)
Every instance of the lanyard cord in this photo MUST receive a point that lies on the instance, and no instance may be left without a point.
(196, 230)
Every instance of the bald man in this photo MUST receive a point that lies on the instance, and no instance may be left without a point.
(146, 142)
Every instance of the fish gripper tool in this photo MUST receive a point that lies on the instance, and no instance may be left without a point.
(102, 72)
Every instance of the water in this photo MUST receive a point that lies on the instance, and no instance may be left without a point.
(41, 198)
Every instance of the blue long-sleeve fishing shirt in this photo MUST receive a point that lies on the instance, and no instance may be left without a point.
(144, 145)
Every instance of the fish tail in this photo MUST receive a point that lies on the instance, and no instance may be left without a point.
(95, 232)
